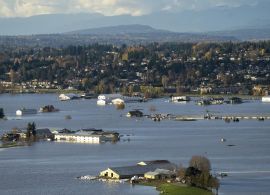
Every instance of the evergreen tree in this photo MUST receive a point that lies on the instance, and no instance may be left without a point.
(31, 130)
(2, 115)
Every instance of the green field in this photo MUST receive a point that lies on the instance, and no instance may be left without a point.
(173, 189)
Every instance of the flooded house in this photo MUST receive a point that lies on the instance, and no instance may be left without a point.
(104, 99)
(25, 111)
(44, 133)
(176, 99)
(217, 101)
(48, 108)
(235, 100)
(70, 96)
(21, 134)
(135, 113)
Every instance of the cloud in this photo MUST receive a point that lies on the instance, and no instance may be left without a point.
(205, 4)
(15, 8)
(32, 7)
(4, 9)
(24, 8)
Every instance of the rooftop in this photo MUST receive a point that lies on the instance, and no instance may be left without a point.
(139, 169)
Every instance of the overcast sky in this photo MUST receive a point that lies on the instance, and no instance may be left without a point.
(24, 8)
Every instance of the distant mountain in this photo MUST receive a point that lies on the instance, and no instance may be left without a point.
(245, 34)
(120, 29)
(144, 33)
(214, 19)
(132, 34)
(116, 35)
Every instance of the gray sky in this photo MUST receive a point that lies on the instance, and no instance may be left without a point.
(24, 8)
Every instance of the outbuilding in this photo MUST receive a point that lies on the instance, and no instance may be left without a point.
(159, 174)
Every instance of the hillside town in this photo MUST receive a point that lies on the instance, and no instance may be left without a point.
(153, 69)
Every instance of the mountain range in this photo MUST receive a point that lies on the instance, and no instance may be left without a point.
(220, 23)
(250, 34)
(213, 19)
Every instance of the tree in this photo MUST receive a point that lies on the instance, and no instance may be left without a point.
(181, 171)
(101, 86)
(31, 130)
(130, 90)
(2, 115)
(201, 163)
(12, 75)
(164, 81)
(1, 88)
(214, 183)
(14, 130)
(198, 174)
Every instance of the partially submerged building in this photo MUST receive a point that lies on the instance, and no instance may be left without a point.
(159, 174)
(21, 134)
(139, 170)
(70, 96)
(87, 136)
(25, 111)
(135, 113)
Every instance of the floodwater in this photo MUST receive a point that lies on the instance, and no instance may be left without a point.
(52, 167)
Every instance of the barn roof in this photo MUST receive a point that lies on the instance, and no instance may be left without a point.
(140, 170)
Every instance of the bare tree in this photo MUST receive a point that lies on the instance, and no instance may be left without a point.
(164, 81)
(181, 171)
(201, 163)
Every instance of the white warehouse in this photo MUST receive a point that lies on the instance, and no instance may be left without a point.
(81, 138)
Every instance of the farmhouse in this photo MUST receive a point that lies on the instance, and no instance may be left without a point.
(139, 170)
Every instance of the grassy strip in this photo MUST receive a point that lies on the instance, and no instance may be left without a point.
(174, 189)
(11, 145)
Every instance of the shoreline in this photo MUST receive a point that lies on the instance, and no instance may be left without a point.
(56, 91)
(162, 187)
